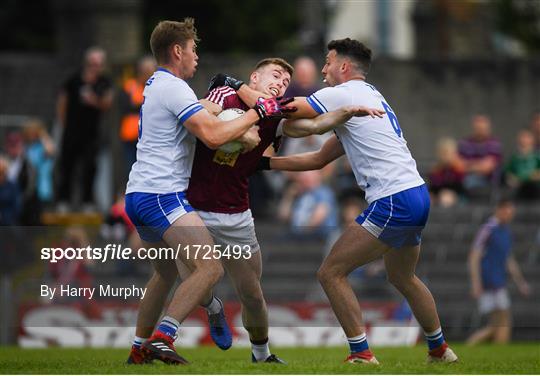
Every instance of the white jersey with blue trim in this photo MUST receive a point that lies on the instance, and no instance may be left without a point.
(375, 147)
(165, 148)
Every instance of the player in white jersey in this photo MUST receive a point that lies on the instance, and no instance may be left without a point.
(170, 119)
(398, 200)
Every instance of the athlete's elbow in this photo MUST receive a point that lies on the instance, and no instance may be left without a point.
(320, 131)
(210, 140)
(212, 144)
(296, 133)
(319, 163)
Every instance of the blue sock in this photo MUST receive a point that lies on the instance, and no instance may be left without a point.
(137, 342)
(358, 343)
(168, 326)
(434, 339)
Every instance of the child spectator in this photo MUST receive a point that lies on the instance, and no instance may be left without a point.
(446, 177)
(523, 168)
(22, 173)
(40, 151)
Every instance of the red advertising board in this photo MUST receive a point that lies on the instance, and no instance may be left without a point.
(291, 324)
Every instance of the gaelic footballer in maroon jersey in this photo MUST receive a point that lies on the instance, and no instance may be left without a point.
(218, 189)
(219, 180)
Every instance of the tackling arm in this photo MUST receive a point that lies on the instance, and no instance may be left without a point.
(211, 107)
(304, 110)
(325, 122)
(330, 151)
(214, 132)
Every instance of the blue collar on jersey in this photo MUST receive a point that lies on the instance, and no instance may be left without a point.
(161, 69)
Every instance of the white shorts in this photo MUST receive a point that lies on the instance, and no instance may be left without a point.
(494, 300)
(232, 229)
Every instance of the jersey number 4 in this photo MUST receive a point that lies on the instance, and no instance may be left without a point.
(393, 118)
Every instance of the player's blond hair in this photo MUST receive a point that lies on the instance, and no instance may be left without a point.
(277, 61)
(169, 33)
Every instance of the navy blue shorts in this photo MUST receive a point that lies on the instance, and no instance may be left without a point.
(398, 220)
(152, 213)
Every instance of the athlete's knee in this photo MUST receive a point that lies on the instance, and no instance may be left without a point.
(326, 274)
(400, 281)
(252, 299)
(212, 270)
(322, 275)
(165, 276)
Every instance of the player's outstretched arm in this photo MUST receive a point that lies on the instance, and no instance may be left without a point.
(325, 122)
(330, 151)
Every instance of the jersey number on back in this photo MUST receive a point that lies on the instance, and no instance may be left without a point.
(140, 118)
(393, 118)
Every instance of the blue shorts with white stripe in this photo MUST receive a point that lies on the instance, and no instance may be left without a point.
(152, 213)
(398, 220)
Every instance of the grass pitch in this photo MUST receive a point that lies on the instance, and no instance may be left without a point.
(489, 359)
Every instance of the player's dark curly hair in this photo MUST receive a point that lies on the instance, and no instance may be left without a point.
(353, 49)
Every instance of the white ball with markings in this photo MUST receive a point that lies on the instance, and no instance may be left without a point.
(226, 115)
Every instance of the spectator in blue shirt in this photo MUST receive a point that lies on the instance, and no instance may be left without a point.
(309, 206)
(40, 151)
(489, 260)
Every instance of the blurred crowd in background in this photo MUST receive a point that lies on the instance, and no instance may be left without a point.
(38, 174)
(76, 157)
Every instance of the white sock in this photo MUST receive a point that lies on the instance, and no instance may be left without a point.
(358, 343)
(434, 333)
(172, 321)
(214, 306)
(168, 326)
(138, 341)
(260, 352)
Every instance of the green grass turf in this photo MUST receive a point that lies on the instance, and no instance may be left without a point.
(507, 359)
